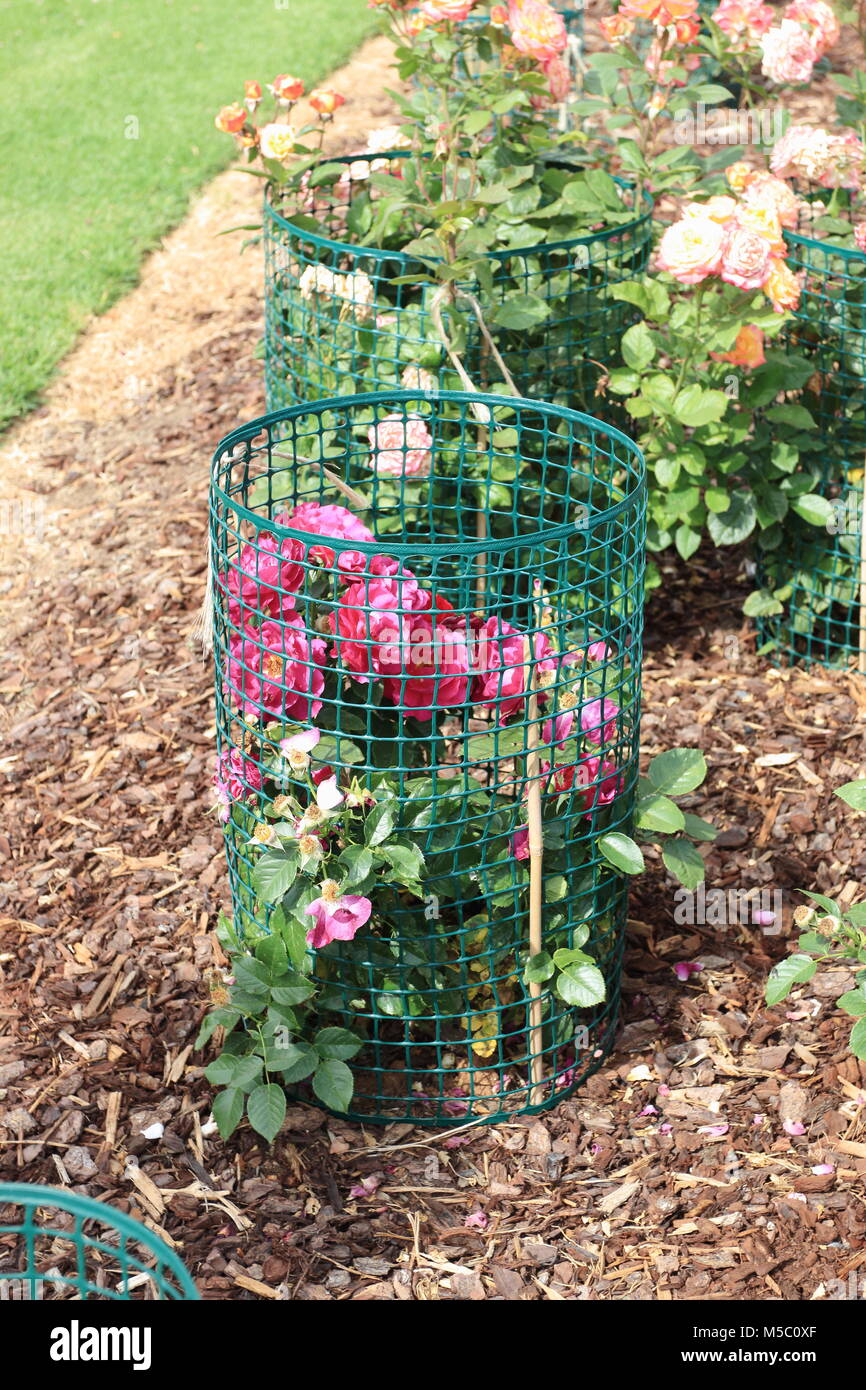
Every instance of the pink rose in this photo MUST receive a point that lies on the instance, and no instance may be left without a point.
(598, 720)
(691, 249)
(400, 447)
(336, 917)
(787, 53)
(236, 778)
(743, 21)
(430, 670)
(330, 520)
(558, 78)
(372, 623)
(746, 258)
(446, 11)
(819, 22)
(537, 29)
(276, 671)
(860, 236)
(501, 666)
(819, 156)
(520, 842)
(265, 571)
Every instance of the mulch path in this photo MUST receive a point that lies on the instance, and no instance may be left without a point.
(669, 1176)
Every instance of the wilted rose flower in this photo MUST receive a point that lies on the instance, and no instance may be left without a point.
(417, 379)
(819, 22)
(317, 279)
(748, 350)
(743, 21)
(357, 292)
(558, 78)
(277, 141)
(236, 778)
(860, 235)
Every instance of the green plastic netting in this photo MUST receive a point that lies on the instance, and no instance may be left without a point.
(412, 651)
(58, 1245)
(337, 321)
(814, 572)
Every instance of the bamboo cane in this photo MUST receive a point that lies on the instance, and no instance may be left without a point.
(536, 883)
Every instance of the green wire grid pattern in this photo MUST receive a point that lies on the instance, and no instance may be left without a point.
(531, 524)
(337, 321)
(817, 571)
(116, 1257)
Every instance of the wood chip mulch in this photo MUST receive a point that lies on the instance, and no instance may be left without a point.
(670, 1176)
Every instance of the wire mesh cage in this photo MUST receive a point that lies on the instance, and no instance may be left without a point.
(815, 572)
(340, 317)
(491, 556)
(56, 1245)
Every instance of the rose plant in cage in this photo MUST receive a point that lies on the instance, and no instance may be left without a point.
(464, 239)
(427, 710)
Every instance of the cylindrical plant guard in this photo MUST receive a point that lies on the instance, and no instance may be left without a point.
(337, 321)
(820, 573)
(57, 1244)
(461, 619)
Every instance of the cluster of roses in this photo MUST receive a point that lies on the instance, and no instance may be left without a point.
(675, 25)
(737, 239)
(789, 45)
(535, 29)
(276, 139)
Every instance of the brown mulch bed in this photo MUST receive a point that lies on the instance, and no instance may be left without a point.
(669, 1176)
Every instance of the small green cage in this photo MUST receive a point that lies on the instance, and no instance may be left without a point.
(813, 571)
(59, 1245)
(340, 317)
(516, 547)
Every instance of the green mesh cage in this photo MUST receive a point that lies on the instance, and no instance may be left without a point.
(337, 321)
(57, 1245)
(815, 572)
(525, 535)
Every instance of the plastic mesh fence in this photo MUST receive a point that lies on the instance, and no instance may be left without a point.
(816, 571)
(498, 556)
(337, 321)
(57, 1245)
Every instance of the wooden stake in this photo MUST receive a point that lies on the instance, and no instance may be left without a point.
(861, 658)
(536, 883)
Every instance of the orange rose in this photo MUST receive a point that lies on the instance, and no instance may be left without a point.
(738, 175)
(687, 30)
(499, 16)
(287, 88)
(748, 350)
(765, 221)
(325, 101)
(616, 27)
(781, 286)
(231, 118)
(253, 91)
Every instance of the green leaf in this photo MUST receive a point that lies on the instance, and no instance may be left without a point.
(853, 1002)
(266, 1110)
(683, 861)
(698, 829)
(761, 603)
(379, 823)
(656, 812)
(356, 863)
(796, 970)
(228, 1108)
(737, 522)
(817, 510)
(271, 951)
(696, 406)
(337, 1042)
(677, 771)
(854, 793)
(581, 986)
(538, 969)
(333, 1083)
(686, 541)
(231, 1070)
(295, 1062)
(218, 1018)
(622, 852)
(858, 1038)
(291, 988)
(638, 348)
(275, 873)
(521, 311)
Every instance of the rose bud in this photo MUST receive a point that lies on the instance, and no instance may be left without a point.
(288, 88)
(325, 101)
(230, 118)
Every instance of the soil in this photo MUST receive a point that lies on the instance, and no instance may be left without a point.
(671, 1175)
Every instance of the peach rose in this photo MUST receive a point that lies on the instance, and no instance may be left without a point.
(691, 249)
(252, 91)
(745, 258)
(763, 220)
(748, 350)
(764, 191)
(537, 29)
(719, 209)
(287, 88)
(737, 175)
(781, 286)
(230, 118)
(616, 28)
(325, 101)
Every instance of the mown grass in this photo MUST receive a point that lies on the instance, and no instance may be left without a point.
(106, 118)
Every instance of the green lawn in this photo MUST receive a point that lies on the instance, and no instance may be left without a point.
(80, 201)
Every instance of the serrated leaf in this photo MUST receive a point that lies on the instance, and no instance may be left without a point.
(581, 986)
(538, 968)
(228, 1109)
(622, 852)
(677, 771)
(795, 970)
(337, 1042)
(858, 1038)
(266, 1109)
(854, 794)
(657, 812)
(333, 1083)
(684, 862)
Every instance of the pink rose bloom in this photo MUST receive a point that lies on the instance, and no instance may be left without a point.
(430, 670)
(276, 671)
(819, 21)
(691, 249)
(746, 259)
(819, 156)
(265, 571)
(599, 651)
(787, 53)
(860, 236)
(500, 664)
(743, 21)
(235, 779)
(520, 843)
(335, 917)
(596, 714)
(537, 29)
(596, 781)
(558, 78)
(452, 11)
(372, 623)
(400, 447)
(331, 520)
(557, 731)
(765, 191)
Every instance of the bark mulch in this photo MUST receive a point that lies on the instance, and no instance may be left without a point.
(670, 1176)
